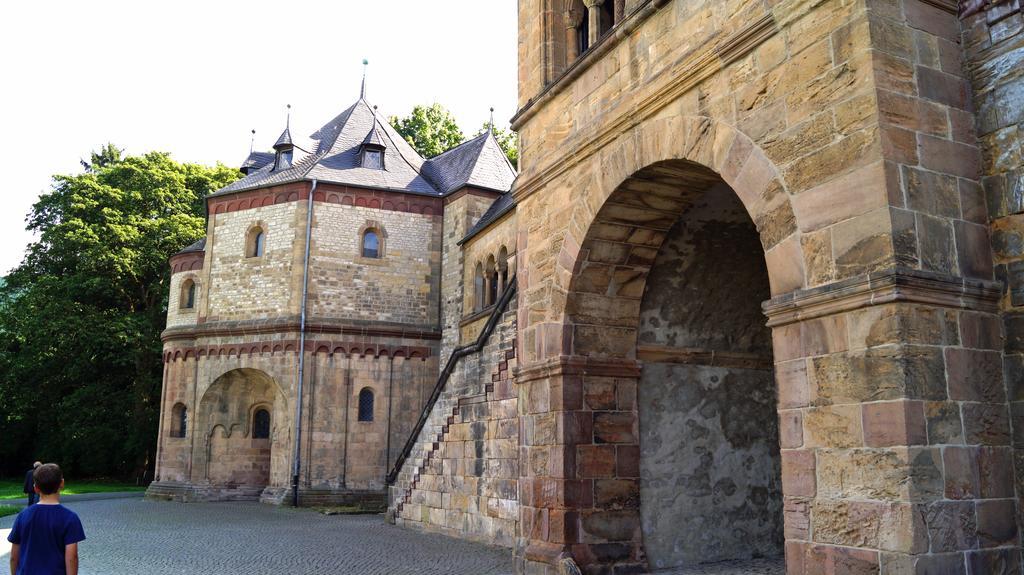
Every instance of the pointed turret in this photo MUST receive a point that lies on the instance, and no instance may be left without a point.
(284, 148)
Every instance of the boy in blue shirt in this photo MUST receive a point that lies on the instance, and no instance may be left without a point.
(45, 536)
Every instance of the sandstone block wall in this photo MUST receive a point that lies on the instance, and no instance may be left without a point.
(461, 211)
(845, 129)
(994, 41)
(243, 288)
(340, 453)
(462, 478)
(400, 287)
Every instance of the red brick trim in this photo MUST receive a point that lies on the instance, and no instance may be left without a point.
(187, 262)
(268, 327)
(330, 194)
(276, 347)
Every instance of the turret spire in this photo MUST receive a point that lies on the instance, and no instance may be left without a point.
(362, 89)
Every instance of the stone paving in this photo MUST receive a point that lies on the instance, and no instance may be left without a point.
(133, 536)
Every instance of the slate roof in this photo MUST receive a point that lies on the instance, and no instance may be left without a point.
(199, 246)
(479, 162)
(257, 160)
(284, 140)
(501, 206)
(333, 157)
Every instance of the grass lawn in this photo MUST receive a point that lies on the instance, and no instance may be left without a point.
(11, 489)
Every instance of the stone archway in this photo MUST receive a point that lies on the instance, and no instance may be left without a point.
(234, 459)
(584, 484)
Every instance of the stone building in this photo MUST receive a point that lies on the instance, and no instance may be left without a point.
(325, 260)
(768, 296)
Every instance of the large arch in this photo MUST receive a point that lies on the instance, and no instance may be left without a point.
(228, 456)
(645, 183)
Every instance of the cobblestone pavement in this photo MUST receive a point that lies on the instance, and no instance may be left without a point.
(754, 567)
(134, 536)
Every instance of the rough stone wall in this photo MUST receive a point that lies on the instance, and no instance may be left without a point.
(244, 288)
(709, 444)
(401, 287)
(994, 44)
(462, 478)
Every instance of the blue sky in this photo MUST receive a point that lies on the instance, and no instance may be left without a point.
(193, 78)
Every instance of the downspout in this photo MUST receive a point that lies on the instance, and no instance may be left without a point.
(302, 350)
(391, 387)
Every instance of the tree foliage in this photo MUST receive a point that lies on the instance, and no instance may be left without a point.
(80, 318)
(430, 130)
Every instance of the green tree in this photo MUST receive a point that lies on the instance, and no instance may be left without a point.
(508, 140)
(430, 130)
(80, 318)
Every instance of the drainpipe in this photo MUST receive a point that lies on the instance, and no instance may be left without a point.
(391, 387)
(302, 350)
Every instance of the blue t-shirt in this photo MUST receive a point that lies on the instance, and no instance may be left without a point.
(43, 531)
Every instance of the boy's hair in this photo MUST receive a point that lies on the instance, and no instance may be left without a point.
(47, 478)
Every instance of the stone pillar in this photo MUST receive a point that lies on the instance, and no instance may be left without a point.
(594, 15)
(620, 10)
(894, 427)
(573, 20)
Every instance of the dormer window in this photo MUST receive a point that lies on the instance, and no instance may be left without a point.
(373, 159)
(371, 152)
(284, 151)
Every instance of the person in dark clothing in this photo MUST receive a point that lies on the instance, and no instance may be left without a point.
(30, 487)
(44, 538)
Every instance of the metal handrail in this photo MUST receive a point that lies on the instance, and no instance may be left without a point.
(449, 367)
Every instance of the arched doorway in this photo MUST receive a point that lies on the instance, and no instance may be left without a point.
(679, 456)
(241, 414)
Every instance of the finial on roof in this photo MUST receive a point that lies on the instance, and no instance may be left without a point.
(252, 141)
(492, 119)
(288, 119)
(362, 89)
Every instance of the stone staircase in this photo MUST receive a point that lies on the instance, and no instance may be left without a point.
(466, 392)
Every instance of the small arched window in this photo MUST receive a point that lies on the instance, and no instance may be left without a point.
(366, 404)
(179, 420)
(256, 243)
(188, 295)
(371, 244)
(261, 424)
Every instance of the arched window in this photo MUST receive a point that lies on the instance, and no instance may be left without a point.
(371, 244)
(179, 420)
(261, 424)
(478, 288)
(256, 243)
(366, 404)
(187, 300)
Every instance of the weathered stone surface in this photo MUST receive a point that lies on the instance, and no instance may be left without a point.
(952, 525)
